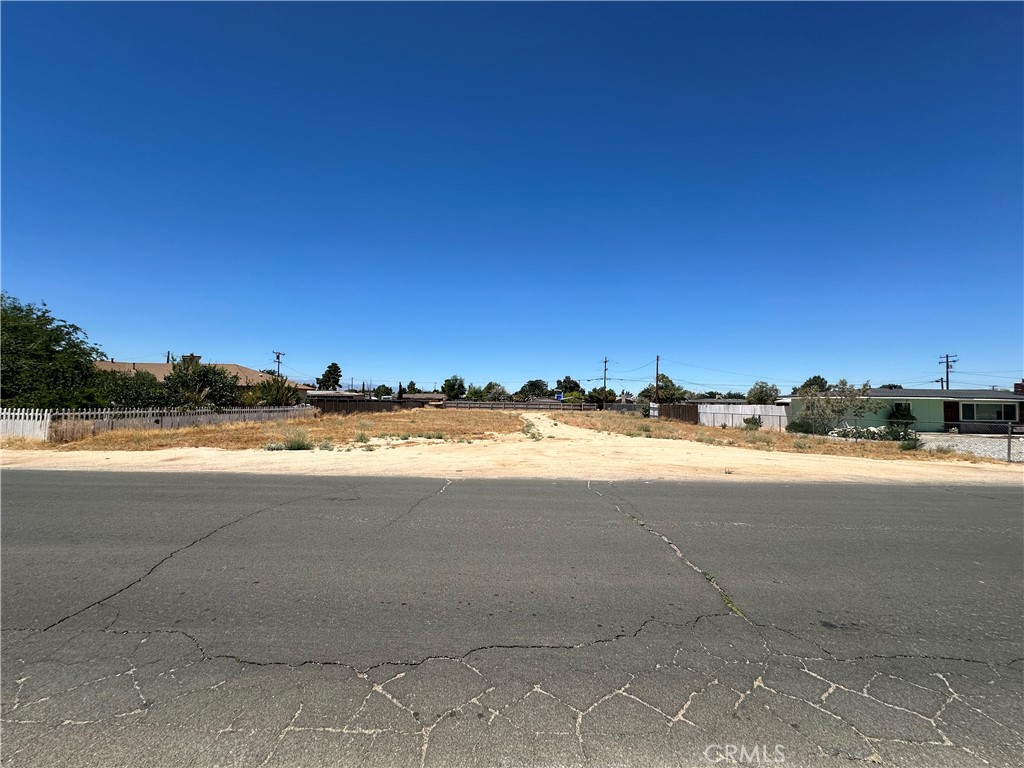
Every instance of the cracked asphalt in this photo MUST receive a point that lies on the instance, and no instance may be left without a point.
(230, 620)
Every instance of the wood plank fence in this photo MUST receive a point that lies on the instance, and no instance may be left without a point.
(772, 417)
(30, 423)
(64, 426)
(511, 405)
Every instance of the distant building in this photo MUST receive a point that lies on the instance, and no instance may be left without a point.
(247, 377)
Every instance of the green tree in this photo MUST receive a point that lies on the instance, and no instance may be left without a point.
(891, 386)
(495, 391)
(568, 384)
(45, 362)
(822, 411)
(601, 395)
(474, 392)
(412, 389)
(763, 393)
(532, 389)
(454, 387)
(820, 383)
(331, 380)
(383, 391)
(273, 391)
(193, 385)
(668, 391)
(117, 389)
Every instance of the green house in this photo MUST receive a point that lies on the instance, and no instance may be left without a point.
(968, 411)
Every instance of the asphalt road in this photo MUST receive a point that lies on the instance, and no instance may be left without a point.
(230, 620)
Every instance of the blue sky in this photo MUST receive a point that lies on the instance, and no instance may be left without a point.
(517, 190)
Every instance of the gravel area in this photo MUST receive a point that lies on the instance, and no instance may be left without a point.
(989, 446)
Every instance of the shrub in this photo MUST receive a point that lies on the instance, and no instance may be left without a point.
(753, 423)
(361, 437)
(911, 444)
(800, 426)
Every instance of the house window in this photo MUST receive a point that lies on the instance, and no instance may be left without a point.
(988, 411)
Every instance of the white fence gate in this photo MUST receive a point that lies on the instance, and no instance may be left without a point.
(30, 423)
(732, 415)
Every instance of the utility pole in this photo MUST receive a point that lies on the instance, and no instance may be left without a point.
(657, 367)
(604, 387)
(948, 360)
(939, 381)
(278, 356)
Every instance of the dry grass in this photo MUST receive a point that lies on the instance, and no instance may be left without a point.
(634, 425)
(331, 430)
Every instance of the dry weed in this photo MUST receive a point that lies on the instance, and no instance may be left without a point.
(411, 424)
(634, 425)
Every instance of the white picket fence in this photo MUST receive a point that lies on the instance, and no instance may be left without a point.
(732, 415)
(63, 426)
(30, 423)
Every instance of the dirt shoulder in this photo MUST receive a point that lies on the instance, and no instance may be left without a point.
(553, 450)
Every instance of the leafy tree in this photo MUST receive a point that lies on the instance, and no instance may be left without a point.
(668, 392)
(331, 380)
(383, 390)
(823, 411)
(891, 386)
(568, 384)
(454, 387)
(763, 393)
(495, 391)
(820, 383)
(601, 395)
(733, 395)
(575, 397)
(45, 362)
(192, 385)
(533, 388)
(474, 392)
(275, 391)
(117, 389)
(412, 389)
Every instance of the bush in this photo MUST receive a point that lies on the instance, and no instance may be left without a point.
(752, 423)
(800, 426)
(888, 432)
(911, 444)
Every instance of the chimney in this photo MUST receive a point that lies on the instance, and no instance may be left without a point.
(1018, 387)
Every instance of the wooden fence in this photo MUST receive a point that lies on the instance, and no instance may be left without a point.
(679, 412)
(509, 405)
(64, 426)
(30, 423)
(347, 405)
(732, 415)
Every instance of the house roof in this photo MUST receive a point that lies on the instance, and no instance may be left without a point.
(938, 394)
(944, 394)
(247, 377)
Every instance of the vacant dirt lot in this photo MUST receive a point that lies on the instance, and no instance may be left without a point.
(541, 446)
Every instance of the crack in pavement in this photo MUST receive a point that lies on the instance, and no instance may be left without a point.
(710, 579)
(412, 509)
(177, 551)
(697, 681)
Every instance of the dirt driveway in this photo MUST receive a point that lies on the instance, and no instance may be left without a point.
(556, 450)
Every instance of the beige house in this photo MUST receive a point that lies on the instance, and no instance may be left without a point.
(247, 377)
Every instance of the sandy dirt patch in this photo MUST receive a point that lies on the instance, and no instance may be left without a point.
(561, 452)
